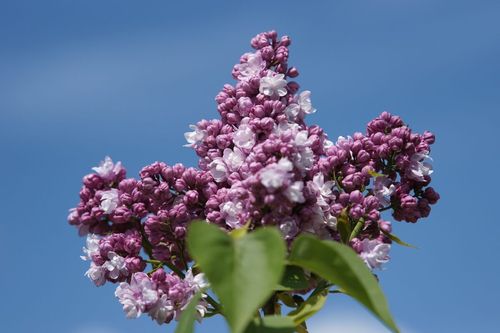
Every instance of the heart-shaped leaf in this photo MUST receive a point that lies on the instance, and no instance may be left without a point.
(340, 265)
(242, 271)
(294, 278)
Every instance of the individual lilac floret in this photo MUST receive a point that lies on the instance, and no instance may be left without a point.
(109, 171)
(383, 189)
(109, 201)
(273, 85)
(92, 248)
(374, 252)
(195, 137)
(419, 166)
(138, 296)
(251, 67)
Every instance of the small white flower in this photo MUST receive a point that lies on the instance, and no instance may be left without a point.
(323, 189)
(305, 102)
(273, 85)
(162, 310)
(137, 295)
(273, 176)
(294, 192)
(198, 281)
(419, 166)
(97, 274)
(252, 67)
(92, 247)
(374, 252)
(304, 159)
(115, 265)
(109, 200)
(231, 211)
(244, 137)
(233, 158)
(107, 170)
(331, 221)
(292, 111)
(302, 139)
(301, 106)
(383, 189)
(218, 169)
(195, 137)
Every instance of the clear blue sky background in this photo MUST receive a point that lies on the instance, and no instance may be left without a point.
(83, 79)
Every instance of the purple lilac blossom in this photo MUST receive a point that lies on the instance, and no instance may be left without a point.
(259, 162)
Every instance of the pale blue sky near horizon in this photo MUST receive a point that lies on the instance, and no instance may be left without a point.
(83, 79)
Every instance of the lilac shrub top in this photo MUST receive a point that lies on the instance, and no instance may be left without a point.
(259, 163)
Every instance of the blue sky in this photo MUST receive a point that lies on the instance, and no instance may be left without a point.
(83, 79)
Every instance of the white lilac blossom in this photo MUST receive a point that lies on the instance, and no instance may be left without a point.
(273, 85)
(374, 252)
(273, 176)
(162, 310)
(109, 201)
(107, 169)
(198, 281)
(294, 192)
(251, 68)
(324, 189)
(244, 137)
(96, 274)
(195, 137)
(285, 127)
(231, 211)
(231, 161)
(383, 188)
(331, 221)
(233, 158)
(92, 247)
(300, 107)
(304, 159)
(218, 169)
(419, 166)
(137, 295)
(115, 266)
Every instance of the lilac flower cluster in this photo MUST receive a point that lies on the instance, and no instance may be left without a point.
(260, 164)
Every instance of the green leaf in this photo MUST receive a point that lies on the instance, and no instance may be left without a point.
(396, 239)
(188, 316)
(312, 305)
(344, 226)
(243, 272)
(294, 278)
(271, 324)
(340, 265)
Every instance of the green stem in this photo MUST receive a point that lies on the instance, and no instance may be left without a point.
(357, 228)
